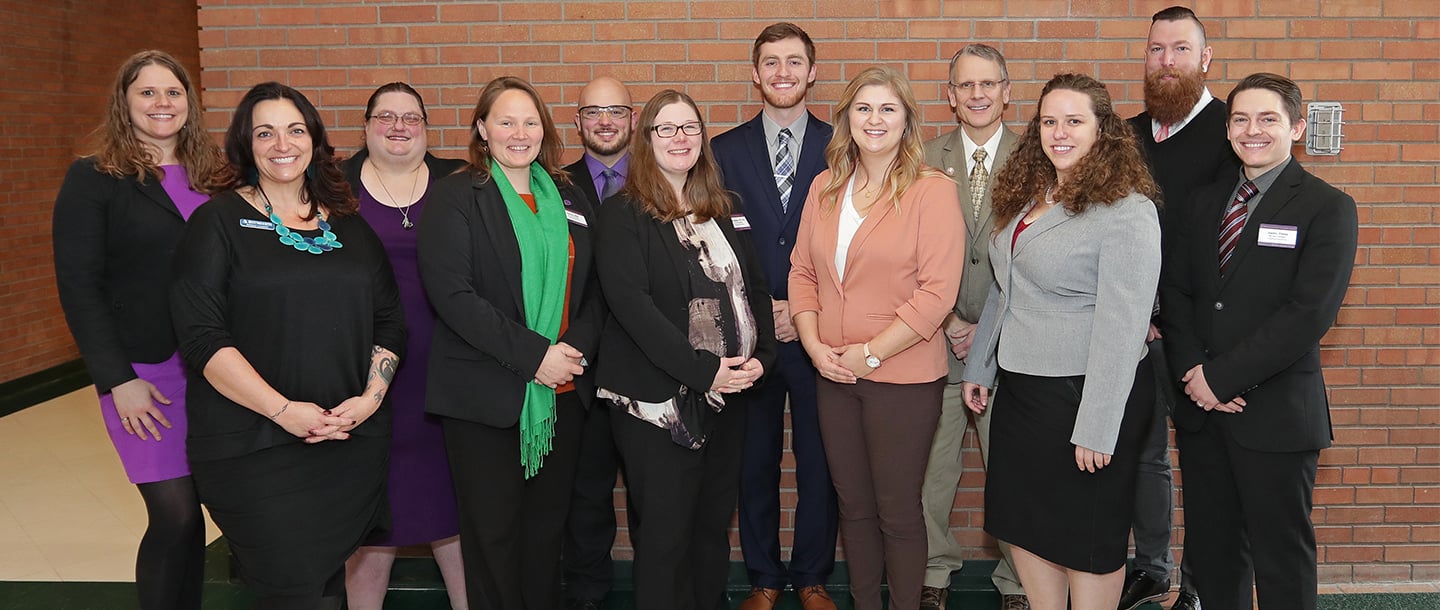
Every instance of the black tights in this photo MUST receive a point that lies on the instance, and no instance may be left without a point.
(170, 565)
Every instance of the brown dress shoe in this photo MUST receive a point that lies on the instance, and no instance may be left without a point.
(760, 599)
(933, 598)
(1014, 602)
(815, 597)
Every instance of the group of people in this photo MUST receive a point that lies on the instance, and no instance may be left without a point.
(338, 358)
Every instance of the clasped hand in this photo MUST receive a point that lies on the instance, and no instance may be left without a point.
(560, 365)
(1199, 391)
(736, 374)
(316, 424)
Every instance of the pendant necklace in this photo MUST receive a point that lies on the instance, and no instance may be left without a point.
(404, 209)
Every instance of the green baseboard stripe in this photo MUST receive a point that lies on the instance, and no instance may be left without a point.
(35, 388)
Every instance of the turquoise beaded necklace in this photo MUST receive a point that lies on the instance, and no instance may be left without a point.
(317, 245)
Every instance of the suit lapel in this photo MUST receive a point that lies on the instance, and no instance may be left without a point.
(502, 237)
(877, 214)
(1054, 217)
(1281, 193)
(811, 162)
(765, 174)
(153, 191)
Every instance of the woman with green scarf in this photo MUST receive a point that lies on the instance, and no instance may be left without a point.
(505, 258)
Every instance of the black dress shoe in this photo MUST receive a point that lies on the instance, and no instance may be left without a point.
(1141, 587)
(1186, 601)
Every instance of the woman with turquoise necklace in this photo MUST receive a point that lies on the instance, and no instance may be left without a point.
(505, 258)
(290, 326)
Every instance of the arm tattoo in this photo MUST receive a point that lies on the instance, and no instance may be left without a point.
(383, 364)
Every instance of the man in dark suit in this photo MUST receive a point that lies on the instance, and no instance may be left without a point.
(605, 120)
(1254, 275)
(1182, 136)
(770, 162)
(978, 91)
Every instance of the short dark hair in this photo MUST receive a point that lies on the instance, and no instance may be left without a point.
(395, 87)
(1179, 13)
(325, 183)
(1289, 92)
(780, 31)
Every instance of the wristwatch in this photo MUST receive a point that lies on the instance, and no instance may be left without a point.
(871, 360)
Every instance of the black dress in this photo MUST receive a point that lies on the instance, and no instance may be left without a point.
(307, 323)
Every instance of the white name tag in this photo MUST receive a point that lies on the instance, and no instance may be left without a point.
(257, 224)
(740, 222)
(1278, 236)
(576, 217)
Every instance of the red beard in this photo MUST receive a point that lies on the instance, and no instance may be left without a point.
(1170, 101)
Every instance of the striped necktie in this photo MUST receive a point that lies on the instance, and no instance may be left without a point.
(1233, 223)
(784, 168)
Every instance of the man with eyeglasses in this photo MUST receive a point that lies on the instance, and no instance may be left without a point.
(605, 120)
(1181, 133)
(978, 91)
(770, 162)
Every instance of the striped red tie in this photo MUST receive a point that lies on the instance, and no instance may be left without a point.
(1234, 222)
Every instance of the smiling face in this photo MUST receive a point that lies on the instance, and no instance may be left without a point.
(1068, 129)
(784, 72)
(1260, 131)
(1176, 60)
(158, 106)
(605, 135)
(397, 139)
(877, 121)
(979, 108)
(677, 154)
(280, 141)
(513, 131)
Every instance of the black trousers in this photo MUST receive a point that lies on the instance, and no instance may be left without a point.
(682, 503)
(511, 527)
(590, 528)
(1247, 520)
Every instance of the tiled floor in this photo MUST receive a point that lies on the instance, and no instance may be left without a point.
(67, 512)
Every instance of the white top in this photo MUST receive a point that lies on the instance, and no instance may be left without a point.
(991, 146)
(849, 223)
(1205, 98)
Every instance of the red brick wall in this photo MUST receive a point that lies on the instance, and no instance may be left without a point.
(1378, 499)
(59, 60)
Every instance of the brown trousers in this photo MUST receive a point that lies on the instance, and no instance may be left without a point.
(877, 442)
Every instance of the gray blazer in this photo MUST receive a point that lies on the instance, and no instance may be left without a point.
(1074, 298)
(947, 153)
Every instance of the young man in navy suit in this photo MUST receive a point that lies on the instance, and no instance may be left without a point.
(606, 120)
(1253, 278)
(770, 161)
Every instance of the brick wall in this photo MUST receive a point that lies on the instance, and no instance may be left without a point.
(57, 70)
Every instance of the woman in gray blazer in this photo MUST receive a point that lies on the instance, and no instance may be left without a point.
(1076, 259)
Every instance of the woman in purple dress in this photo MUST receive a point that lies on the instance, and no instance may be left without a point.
(118, 217)
(391, 176)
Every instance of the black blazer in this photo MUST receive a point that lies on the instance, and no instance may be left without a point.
(645, 350)
(1257, 330)
(744, 159)
(482, 354)
(113, 240)
(585, 181)
(439, 168)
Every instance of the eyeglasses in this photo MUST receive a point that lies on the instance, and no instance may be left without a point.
(593, 113)
(987, 85)
(668, 131)
(388, 118)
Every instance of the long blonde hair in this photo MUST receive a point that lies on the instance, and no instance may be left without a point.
(842, 153)
(119, 153)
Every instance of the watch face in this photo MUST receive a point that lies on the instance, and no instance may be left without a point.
(872, 362)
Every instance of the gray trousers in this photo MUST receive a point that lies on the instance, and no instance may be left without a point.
(1154, 490)
(937, 496)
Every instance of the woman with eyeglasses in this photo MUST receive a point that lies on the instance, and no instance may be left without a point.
(505, 257)
(689, 331)
(391, 176)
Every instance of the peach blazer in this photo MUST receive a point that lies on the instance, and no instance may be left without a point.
(902, 263)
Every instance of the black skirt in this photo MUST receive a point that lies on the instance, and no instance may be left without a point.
(294, 513)
(1036, 498)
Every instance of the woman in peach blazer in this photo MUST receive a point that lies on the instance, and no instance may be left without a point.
(876, 268)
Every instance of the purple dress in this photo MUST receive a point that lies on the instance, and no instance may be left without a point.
(422, 499)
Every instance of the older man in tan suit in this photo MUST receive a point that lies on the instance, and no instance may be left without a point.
(978, 90)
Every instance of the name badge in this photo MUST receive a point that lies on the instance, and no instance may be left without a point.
(740, 222)
(576, 217)
(250, 223)
(1278, 236)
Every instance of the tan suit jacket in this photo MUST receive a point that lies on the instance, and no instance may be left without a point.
(902, 263)
(947, 152)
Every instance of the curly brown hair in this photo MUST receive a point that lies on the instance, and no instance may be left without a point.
(1111, 170)
(119, 153)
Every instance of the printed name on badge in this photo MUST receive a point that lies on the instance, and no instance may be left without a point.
(257, 224)
(1278, 236)
(576, 217)
(740, 222)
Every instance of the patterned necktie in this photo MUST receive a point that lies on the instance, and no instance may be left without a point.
(1233, 223)
(978, 177)
(784, 168)
(610, 183)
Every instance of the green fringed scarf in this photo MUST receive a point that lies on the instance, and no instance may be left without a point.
(544, 262)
